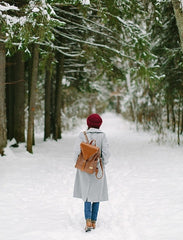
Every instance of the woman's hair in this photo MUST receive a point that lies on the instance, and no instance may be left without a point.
(93, 127)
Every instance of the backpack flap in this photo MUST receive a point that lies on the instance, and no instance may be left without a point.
(88, 150)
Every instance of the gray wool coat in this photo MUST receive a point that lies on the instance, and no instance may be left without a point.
(87, 186)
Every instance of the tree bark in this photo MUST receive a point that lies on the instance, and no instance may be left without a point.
(10, 77)
(181, 118)
(181, 131)
(47, 119)
(53, 83)
(118, 105)
(179, 19)
(34, 76)
(57, 115)
(19, 99)
(168, 115)
(173, 117)
(178, 124)
(3, 130)
(132, 102)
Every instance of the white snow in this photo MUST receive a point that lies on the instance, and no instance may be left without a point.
(6, 7)
(86, 2)
(145, 188)
(22, 20)
(35, 9)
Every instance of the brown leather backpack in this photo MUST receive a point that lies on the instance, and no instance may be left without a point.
(89, 157)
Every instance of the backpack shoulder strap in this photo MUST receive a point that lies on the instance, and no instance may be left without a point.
(86, 137)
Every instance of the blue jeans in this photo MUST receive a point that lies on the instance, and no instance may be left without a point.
(91, 210)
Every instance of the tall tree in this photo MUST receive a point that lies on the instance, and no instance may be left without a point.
(32, 104)
(3, 132)
(58, 89)
(10, 76)
(19, 98)
(47, 102)
(178, 10)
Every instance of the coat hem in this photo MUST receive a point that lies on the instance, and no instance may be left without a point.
(92, 200)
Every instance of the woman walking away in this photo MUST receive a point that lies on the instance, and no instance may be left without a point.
(87, 186)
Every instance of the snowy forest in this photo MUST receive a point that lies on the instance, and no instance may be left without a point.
(62, 60)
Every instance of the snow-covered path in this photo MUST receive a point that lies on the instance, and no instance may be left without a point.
(145, 183)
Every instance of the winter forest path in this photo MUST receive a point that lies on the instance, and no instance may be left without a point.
(144, 180)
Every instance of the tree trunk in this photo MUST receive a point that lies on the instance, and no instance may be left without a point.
(29, 69)
(181, 118)
(118, 105)
(132, 112)
(19, 99)
(3, 131)
(173, 117)
(178, 123)
(47, 119)
(57, 115)
(168, 115)
(10, 62)
(34, 76)
(179, 18)
(132, 102)
(53, 83)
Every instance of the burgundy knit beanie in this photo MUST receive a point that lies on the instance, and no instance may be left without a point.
(94, 120)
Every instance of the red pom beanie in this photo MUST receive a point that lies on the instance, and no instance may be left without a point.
(94, 120)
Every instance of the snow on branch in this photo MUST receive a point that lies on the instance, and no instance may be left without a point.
(85, 2)
(83, 18)
(51, 45)
(71, 54)
(31, 25)
(97, 45)
(6, 7)
(85, 27)
(129, 25)
(5, 18)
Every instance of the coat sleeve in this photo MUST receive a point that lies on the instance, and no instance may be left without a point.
(77, 147)
(105, 150)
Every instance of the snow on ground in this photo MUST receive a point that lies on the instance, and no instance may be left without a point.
(145, 183)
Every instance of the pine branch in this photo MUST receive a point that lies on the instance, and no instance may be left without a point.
(83, 18)
(87, 28)
(96, 45)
